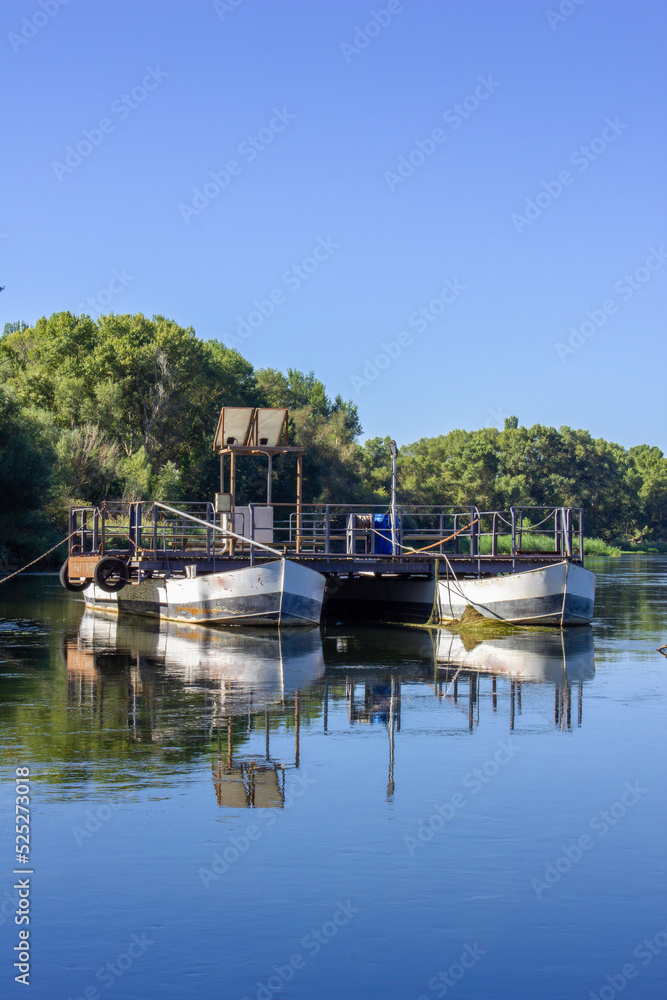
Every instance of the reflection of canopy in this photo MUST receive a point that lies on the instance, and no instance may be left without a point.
(251, 427)
(248, 785)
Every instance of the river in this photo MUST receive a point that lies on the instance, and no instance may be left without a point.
(344, 812)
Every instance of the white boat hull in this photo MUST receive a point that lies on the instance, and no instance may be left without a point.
(560, 594)
(270, 594)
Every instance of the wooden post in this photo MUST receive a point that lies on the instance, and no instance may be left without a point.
(299, 497)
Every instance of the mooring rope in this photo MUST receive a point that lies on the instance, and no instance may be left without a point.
(47, 553)
(406, 548)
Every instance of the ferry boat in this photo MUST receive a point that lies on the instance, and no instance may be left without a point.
(226, 562)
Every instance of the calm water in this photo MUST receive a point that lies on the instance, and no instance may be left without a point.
(345, 813)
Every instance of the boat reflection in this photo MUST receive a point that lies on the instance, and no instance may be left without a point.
(560, 659)
(247, 670)
(543, 657)
(243, 698)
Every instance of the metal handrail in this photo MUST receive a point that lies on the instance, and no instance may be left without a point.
(326, 527)
(216, 527)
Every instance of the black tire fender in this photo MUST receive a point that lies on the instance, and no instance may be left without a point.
(111, 574)
(74, 587)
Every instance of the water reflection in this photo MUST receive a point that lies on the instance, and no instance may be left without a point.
(142, 701)
(243, 670)
(557, 658)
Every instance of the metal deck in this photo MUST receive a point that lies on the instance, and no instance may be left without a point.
(340, 541)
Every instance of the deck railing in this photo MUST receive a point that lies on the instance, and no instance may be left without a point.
(164, 530)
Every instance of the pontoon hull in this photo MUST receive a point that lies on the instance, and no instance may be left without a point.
(268, 594)
(560, 594)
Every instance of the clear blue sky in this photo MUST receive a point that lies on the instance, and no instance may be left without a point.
(335, 97)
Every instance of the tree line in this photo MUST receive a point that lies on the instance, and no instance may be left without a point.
(125, 407)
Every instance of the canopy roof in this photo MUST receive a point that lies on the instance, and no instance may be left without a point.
(252, 428)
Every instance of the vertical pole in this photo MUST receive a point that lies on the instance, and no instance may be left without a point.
(299, 497)
(456, 537)
(155, 531)
(269, 480)
(569, 532)
(390, 776)
(297, 720)
(494, 542)
(327, 529)
(394, 452)
(251, 533)
(131, 531)
(232, 478)
(232, 490)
